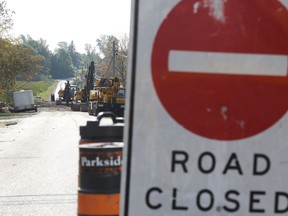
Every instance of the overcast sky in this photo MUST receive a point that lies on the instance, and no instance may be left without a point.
(82, 21)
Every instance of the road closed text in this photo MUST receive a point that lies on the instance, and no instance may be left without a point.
(205, 199)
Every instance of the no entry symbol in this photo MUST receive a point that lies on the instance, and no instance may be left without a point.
(220, 67)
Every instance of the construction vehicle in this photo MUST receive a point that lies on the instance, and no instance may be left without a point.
(95, 94)
(66, 96)
(77, 99)
(60, 97)
(109, 95)
(119, 106)
(82, 97)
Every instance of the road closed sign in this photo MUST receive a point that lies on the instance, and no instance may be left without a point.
(206, 119)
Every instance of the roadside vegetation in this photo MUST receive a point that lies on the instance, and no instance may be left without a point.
(42, 91)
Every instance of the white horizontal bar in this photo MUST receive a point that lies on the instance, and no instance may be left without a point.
(227, 63)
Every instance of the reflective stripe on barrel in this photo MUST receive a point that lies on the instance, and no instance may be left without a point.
(94, 204)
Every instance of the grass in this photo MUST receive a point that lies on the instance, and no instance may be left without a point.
(42, 90)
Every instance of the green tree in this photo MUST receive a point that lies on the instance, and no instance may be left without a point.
(89, 56)
(63, 45)
(6, 22)
(40, 48)
(105, 47)
(121, 61)
(16, 61)
(75, 56)
(61, 62)
(107, 51)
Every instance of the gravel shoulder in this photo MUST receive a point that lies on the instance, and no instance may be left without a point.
(8, 118)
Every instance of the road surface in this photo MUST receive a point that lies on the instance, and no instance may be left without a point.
(39, 164)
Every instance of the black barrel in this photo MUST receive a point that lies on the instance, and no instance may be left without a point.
(93, 133)
(52, 97)
(100, 167)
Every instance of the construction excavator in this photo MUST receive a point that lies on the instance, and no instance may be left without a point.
(109, 95)
(66, 95)
(82, 97)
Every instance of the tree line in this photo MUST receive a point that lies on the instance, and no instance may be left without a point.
(26, 59)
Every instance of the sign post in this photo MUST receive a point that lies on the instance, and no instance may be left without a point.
(207, 109)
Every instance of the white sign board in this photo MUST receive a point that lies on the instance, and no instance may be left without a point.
(206, 119)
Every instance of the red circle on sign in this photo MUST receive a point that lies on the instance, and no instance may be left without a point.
(215, 105)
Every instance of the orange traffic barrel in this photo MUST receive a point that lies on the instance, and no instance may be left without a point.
(93, 204)
(100, 162)
(99, 179)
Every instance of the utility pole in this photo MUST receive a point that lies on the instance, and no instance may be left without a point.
(113, 59)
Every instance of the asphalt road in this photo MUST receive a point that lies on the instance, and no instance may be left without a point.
(39, 163)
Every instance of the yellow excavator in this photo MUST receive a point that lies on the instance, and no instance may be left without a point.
(83, 96)
(66, 96)
(109, 95)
